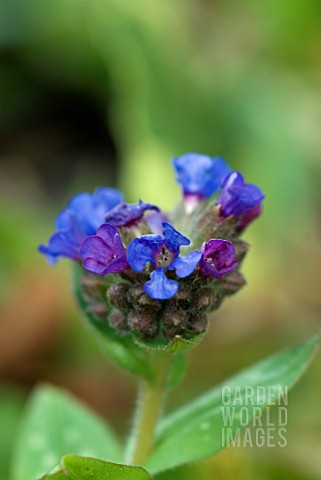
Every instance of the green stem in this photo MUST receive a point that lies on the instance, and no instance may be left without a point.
(150, 402)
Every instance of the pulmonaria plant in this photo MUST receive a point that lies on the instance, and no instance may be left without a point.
(147, 281)
(157, 275)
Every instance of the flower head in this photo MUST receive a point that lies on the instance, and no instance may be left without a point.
(200, 175)
(218, 258)
(162, 251)
(104, 252)
(237, 197)
(154, 293)
(84, 213)
(128, 214)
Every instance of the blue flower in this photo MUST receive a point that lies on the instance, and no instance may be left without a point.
(84, 213)
(104, 252)
(162, 251)
(200, 175)
(128, 214)
(237, 197)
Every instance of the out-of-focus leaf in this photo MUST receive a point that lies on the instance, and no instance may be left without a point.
(195, 430)
(11, 402)
(82, 468)
(56, 424)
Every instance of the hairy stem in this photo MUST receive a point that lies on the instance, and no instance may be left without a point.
(150, 403)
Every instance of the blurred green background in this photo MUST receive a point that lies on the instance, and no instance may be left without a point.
(106, 92)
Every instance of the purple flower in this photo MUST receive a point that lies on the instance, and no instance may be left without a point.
(237, 197)
(128, 214)
(104, 252)
(162, 251)
(218, 258)
(200, 175)
(84, 213)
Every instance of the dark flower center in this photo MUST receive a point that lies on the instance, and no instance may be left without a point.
(163, 258)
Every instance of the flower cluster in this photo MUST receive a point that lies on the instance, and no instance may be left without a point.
(152, 289)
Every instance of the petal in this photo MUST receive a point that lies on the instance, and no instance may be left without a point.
(126, 214)
(218, 258)
(117, 266)
(200, 174)
(155, 221)
(159, 286)
(222, 250)
(107, 197)
(59, 246)
(184, 266)
(77, 216)
(93, 266)
(96, 254)
(107, 232)
(139, 253)
(234, 178)
(111, 237)
(173, 235)
(238, 197)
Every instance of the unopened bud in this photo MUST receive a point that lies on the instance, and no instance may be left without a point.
(231, 283)
(137, 297)
(144, 324)
(117, 296)
(118, 321)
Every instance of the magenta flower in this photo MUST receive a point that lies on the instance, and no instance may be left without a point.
(218, 258)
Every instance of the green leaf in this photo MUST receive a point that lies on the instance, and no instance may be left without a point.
(120, 348)
(56, 424)
(60, 475)
(82, 468)
(11, 406)
(194, 431)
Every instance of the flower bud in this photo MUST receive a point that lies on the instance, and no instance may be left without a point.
(145, 325)
(118, 321)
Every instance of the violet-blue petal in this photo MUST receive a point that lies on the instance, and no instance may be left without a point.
(78, 207)
(184, 266)
(107, 198)
(59, 246)
(218, 258)
(199, 174)
(155, 221)
(96, 254)
(108, 233)
(104, 252)
(117, 266)
(128, 214)
(238, 197)
(159, 286)
(138, 254)
(173, 235)
(89, 209)
(81, 218)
